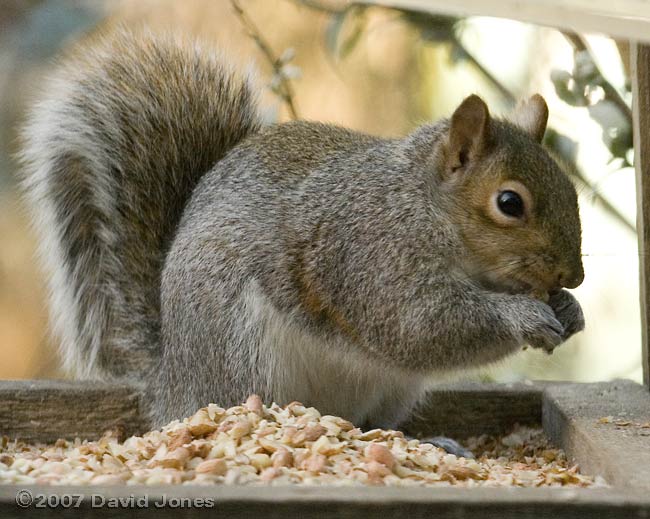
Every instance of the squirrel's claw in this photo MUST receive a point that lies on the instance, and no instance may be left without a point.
(547, 338)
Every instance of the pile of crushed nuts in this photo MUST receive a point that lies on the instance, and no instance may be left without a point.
(256, 444)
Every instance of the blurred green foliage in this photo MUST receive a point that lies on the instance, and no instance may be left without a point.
(584, 86)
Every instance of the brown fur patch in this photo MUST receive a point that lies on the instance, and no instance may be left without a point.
(311, 296)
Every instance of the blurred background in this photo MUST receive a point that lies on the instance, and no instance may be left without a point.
(376, 70)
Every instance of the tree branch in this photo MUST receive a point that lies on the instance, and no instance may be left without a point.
(611, 94)
(284, 90)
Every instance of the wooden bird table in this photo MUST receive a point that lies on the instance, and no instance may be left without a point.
(569, 413)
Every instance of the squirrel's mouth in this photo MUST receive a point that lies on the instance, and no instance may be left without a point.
(514, 285)
(510, 282)
(507, 285)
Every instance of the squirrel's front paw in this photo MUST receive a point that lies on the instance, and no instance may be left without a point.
(568, 312)
(541, 328)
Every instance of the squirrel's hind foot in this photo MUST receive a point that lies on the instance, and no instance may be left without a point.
(449, 445)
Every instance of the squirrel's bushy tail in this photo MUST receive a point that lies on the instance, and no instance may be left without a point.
(125, 128)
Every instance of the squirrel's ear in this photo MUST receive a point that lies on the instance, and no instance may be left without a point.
(531, 116)
(468, 132)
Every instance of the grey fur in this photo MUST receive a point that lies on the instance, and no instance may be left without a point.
(568, 312)
(310, 263)
(363, 223)
(112, 151)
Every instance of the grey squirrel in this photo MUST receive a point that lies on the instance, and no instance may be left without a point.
(192, 247)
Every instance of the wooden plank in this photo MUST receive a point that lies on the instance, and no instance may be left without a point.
(624, 19)
(640, 68)
(45, 410)
(284, 502)
(570, 413)
(466, 410)
(573, 416)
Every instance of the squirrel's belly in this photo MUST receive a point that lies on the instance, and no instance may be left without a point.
(325, 372)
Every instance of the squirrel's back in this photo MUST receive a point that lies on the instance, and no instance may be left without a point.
(111, 154)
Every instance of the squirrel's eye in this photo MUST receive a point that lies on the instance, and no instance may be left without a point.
(511, 204)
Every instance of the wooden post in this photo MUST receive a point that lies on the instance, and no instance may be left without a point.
(640, 67)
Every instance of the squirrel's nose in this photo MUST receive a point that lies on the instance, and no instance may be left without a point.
(570, 278)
